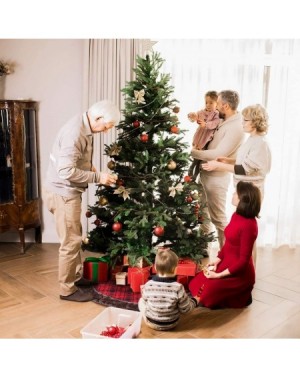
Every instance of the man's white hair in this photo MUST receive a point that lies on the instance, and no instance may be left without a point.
(105, 109)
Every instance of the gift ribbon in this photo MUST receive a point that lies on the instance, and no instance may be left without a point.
(105, 259)
(184, 261)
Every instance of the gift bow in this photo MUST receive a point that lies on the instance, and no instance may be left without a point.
(139, 96)
(104, 259)
(172, 189)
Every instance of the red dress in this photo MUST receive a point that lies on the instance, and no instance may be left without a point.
(233, 291)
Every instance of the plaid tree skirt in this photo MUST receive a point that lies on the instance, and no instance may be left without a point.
(121, 296)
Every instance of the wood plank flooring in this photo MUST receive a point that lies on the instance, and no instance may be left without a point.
(30, 307)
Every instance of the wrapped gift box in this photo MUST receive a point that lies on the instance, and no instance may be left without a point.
(96, 269)
(115, 270)
(186, 267)
(137, 277)
(121, 278)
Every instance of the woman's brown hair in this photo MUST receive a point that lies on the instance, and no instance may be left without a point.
(249, 199)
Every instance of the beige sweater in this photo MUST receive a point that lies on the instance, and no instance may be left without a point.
(69, 171)
(255, 157)
(228, 137)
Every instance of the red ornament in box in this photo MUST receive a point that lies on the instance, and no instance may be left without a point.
(113, 331)
(96, 269)
(137, 277)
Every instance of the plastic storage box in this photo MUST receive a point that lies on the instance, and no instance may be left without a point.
(113, 316)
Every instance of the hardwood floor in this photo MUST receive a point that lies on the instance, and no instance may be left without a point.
(30, 307)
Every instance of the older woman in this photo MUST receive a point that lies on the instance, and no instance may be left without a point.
(253, 160)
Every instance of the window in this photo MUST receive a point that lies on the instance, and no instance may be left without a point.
(261, 71)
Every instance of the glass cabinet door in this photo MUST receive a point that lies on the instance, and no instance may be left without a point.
(6, 179)
(30, 150)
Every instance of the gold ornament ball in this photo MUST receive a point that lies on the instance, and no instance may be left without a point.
(86, 240)
(195, 196)
(171, 165)
(103, 201)
(111, 165)
(176, 109)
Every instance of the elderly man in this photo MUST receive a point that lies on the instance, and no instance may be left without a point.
(69, 173)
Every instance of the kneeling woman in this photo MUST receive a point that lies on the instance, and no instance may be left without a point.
(227, 282)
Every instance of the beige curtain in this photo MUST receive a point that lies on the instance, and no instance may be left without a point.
(108, 66)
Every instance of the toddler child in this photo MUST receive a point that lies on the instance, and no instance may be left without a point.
(163, 298)
(208, 120)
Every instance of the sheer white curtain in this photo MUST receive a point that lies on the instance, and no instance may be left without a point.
(282, 203)
(262, 71)
(108, 66)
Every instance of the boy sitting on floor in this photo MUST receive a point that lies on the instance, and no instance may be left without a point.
(163, 298)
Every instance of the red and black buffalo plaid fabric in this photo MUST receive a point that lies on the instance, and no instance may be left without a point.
(121, 296)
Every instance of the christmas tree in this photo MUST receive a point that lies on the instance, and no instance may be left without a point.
(155, 203)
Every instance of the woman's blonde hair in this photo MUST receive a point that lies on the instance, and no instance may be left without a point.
(258, 115)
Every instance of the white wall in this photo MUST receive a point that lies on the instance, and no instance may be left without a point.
(50, 71)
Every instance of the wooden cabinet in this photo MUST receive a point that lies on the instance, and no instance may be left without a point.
(19, 171)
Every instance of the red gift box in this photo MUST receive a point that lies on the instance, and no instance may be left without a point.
(96, 269)
(137, 277)
(186, 267)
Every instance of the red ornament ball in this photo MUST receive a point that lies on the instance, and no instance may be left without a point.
(120, 182)
(187, 178)
(144, 138)
(136, 123)
(189, 199)
(174, 129)
(97, 222)
(117, 226)
(159, 231)
(113, 331)
(88, 214)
